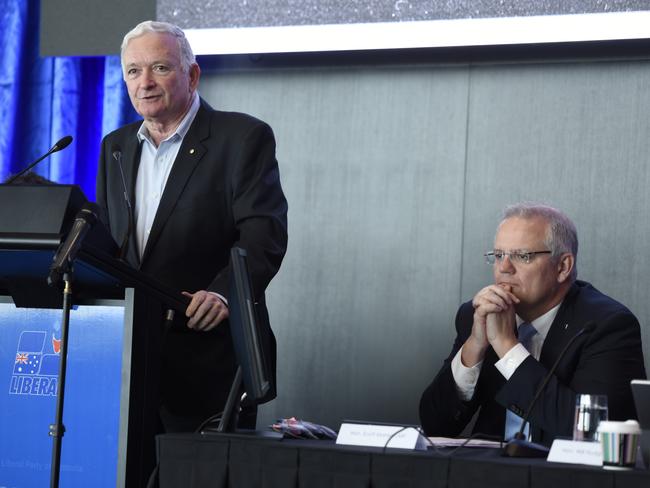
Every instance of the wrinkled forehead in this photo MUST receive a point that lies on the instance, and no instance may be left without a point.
(516, 233)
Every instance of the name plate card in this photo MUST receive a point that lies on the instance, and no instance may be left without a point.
(369, 435)
(576, 452)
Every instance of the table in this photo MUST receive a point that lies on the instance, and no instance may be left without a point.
(239, 461)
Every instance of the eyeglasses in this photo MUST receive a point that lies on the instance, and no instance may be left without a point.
(518, 257)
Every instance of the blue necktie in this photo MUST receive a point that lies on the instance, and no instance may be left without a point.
(513, 421)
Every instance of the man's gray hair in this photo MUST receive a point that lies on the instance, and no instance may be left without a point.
(561, 234)
(187, 56)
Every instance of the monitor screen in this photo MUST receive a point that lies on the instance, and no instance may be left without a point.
(277, 26)
(245, 330)
(96, 27)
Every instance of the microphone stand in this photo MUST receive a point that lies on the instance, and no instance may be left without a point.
(57, 429)
(519, 446)
(60, 144)
(117, 155)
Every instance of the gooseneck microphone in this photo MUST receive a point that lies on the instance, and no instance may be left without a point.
(67, 251)
(519, 446)
(116, 151)
(60, 144)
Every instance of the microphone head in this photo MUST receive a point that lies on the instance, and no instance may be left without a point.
(89, 212)
(116, 151)
(61, 144)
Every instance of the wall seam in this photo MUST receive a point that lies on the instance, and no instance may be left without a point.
(464, 189)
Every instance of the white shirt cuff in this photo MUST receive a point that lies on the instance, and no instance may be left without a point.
(511, 360)
(465, 378)
(221, 297)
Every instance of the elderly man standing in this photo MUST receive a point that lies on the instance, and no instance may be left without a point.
(201, 181)
(512, 332)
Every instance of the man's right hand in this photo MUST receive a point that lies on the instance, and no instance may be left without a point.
(205, 311)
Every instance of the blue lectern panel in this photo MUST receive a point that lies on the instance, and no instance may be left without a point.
(29, 364)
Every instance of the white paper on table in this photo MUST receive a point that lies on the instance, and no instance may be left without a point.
(576, 452)
(371, 435)
(452, 442)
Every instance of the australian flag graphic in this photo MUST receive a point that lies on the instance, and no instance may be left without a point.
(35, 371)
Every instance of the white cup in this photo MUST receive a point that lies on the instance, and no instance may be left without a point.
(619, 441)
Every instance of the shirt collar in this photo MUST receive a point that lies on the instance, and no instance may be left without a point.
(183, 127)
(543, 323)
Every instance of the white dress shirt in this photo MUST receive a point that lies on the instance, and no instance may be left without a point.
(466, 378)
(155, 165)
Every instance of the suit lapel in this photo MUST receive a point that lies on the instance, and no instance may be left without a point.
(563, 328)
(190, 153)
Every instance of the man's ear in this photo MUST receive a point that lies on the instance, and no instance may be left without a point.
(195, 74)
(565, 266)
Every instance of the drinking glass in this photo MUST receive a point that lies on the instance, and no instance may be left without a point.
(590, 410)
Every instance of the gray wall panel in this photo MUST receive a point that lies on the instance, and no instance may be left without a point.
(89, 27)
(395, 180)
(575, 136)
(372, 162)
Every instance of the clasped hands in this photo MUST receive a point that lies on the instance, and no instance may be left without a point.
(494, 324)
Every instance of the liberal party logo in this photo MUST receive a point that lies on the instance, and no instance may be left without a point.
(35, 369)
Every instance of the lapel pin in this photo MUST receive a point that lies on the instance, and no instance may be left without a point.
(566, 326)
(192, 151)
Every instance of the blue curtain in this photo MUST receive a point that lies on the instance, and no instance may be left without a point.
(44, 99)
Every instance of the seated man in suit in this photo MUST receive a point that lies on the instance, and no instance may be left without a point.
(535, 294)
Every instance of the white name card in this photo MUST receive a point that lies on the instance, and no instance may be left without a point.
(576, 452)
(369, 435)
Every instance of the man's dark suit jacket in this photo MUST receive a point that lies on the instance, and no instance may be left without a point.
(603, 361)
(223, 191)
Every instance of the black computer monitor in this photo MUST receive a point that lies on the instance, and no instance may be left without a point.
(254, 376)
(641, 393)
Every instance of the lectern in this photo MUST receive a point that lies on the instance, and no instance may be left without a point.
(111, 391)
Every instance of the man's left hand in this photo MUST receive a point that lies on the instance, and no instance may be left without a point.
(500, 331)
(500, 328)
(205, 311)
